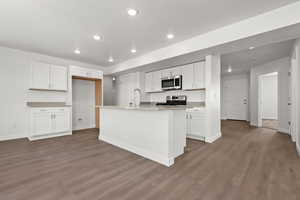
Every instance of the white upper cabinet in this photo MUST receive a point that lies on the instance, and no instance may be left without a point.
(166, 73)
(40, 76)
(58, 77)
(148, 82)
(153, 81)
(193, 76)
(199, 75)
(188, 77)
(156, 81)
(85, 73)
(48, 77)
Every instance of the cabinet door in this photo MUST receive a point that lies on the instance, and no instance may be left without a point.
(156, 81)
(199, 75)
(187, 77)
(177, 71)
(41, 122)
(148, 82)
(166, 73)
(40, 76)
(59, 78)
(61, 120)
(197, 125)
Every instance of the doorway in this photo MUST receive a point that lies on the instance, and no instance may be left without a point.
(87, 99)
(235, 92)
(268, 101)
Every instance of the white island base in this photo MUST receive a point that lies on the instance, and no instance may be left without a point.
(158, 134)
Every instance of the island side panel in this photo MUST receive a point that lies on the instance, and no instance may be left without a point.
(177, 133)
(145, 133)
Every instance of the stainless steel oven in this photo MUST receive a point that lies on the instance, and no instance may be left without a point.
(171, 83)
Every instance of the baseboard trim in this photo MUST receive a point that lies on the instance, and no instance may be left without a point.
(136, 150)
(11, 137)
(212, 139)
(41, 137)
(283, 130)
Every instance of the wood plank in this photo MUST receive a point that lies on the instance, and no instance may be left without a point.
(246, 163)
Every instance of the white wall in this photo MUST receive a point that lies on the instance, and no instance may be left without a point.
(83, 106)
(269, 97)
(282, 67)
(14, 84)
(295, 110)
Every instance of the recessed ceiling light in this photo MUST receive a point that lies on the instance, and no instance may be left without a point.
(111, 60)
(170, 36)
(132, 12)
(77, 51)
(229, 69)
(251, 48)
(133, 50)
(97, 37)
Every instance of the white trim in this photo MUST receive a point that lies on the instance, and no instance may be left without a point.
(33, 138)
(212, 139)
(142, 152)
(201, 138)
(283, 130)
(11, 137)
(298, 149)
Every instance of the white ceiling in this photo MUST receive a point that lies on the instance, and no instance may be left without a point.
(242, 61)
(57, 27)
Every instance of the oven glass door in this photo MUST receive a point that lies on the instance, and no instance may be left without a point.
(167, 83)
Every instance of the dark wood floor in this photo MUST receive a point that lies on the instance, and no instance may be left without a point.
(247, 163)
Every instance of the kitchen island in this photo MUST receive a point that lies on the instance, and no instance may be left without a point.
(154, 132)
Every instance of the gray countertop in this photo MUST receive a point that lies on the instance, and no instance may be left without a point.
(147, 107)
(46, 104)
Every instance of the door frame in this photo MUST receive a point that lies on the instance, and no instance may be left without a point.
(259, 99)
(98, 96)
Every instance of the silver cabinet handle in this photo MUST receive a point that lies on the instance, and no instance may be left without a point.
(191, 117)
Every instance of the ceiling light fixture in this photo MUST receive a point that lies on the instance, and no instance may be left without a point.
(111, 60)
(77, 51)
(229, 69)
(132, 12)
(133, 50)
(251, 48)
(170, 36)
(97, 37)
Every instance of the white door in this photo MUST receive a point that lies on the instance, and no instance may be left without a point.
(235, 94)
(188, 77)
(148, 82)
(41, 122)
(40, 76)
(199, 75)
(59, 78)
(61, 121)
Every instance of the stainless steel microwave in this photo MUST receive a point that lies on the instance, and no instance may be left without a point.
(171, 83)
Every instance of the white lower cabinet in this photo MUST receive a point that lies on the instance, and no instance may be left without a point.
(46, 122)
(196, 125)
